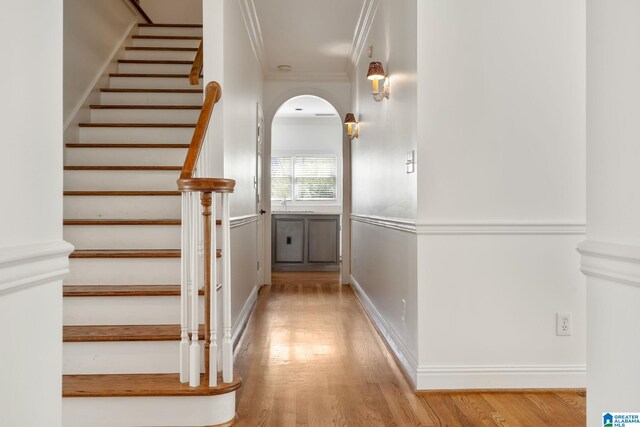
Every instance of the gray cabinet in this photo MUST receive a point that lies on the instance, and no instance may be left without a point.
(305, 242)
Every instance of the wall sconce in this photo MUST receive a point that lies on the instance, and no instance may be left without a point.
(352, 126)
(375, 73)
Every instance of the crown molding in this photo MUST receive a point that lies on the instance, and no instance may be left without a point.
(361, 33)
(252, 24)
(302, 76)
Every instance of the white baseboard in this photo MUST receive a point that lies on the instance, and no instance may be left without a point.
(242, 320)
(407, 361)
(430, 378)
(31, 265)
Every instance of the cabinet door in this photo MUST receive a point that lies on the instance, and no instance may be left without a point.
(322, 237)
(289, 245)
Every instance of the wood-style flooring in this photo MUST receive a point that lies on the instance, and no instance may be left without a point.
(311, 357)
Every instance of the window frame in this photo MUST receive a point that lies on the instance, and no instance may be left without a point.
(313, 201)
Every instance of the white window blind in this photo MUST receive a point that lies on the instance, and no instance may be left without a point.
(281, 177)
(315, 177)
(305, 177)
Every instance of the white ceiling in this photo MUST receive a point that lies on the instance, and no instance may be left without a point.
(314, 37)
(310, 105)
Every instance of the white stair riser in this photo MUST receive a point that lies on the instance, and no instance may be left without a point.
(154, 68)
(121, 180)
(150, 98)
(161, 55)
(162, 310)
(121, 207)
(148, 411)
(120, 357)
(116, 271)
(170, 31)
(144, 116)
(165, 43)
(152, 83)
(122, 236)
(125, 156)
(124, 135)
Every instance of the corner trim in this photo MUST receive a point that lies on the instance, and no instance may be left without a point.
(503, 227)
(611, 261)
(25, 266)
(386, 222)
(403, 356)
(239, 221)
(438, 378)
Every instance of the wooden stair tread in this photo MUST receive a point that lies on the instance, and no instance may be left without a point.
(122, 290)
(129, 253)
(142, 24)
(163, 49)
(107, 145)
(121, 193)
(154, 61)
(138, 385)
(103, 221)
(104, 333)
(148, 90)
(145, 107)
(152, 37)
(123, 168)
(106, 221)
(151, 75)
(126, 253)
(137, 125)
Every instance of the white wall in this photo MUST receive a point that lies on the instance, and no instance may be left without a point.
(93, 32)
(173, 12)
(310, 135)
(611, 255)
(33, 256)
(232, 133)
(384, 196)
(501, 198)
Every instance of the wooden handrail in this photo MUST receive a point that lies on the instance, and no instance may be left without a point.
(136, 5)
(196, 68)
(213, 92)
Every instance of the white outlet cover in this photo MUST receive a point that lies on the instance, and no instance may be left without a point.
(563, 324)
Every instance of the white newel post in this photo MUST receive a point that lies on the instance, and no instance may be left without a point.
(194, 356)
(227, 345)
(213, 350)
(185, 285)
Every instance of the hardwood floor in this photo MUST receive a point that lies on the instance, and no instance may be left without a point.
(310, 357)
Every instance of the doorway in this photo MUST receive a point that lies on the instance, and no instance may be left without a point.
(305, 186)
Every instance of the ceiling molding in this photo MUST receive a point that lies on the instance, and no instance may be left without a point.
(252, 23)
(361, 33)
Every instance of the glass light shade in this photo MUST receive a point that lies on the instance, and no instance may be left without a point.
(376, 71)
(350, 119)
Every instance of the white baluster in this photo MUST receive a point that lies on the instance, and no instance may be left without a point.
(213, 350)
(184, 291)
(227, 345)
(194, 360)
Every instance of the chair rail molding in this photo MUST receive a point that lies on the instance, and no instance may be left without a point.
(399, 224)
(239, 221)
(490, 227)
(32, 265)
(611, 261)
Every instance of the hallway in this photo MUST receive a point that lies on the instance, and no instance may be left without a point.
(310, 356)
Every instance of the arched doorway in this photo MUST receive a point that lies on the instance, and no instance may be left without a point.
(305, 166)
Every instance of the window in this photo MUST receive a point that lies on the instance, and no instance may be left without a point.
(307, 177)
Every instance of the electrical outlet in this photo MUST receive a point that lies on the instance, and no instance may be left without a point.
(404, 310)
(563, 324)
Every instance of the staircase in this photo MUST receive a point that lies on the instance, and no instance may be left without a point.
(122, 210)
